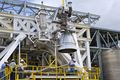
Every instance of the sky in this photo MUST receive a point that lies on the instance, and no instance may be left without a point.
(109, 10)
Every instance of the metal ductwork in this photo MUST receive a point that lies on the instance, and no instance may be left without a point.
(67, 43)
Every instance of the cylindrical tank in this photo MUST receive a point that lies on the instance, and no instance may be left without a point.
(67, 43)
(111, 64)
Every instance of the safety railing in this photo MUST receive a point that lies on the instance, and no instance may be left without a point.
(5, 74)
(47, 72)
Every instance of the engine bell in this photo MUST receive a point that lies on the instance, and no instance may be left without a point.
(67, 43)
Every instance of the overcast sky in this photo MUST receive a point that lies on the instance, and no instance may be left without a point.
(109, 10)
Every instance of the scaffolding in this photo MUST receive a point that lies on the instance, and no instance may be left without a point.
(18, 17)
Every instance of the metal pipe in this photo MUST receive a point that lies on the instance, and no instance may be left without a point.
(56, 59)
(19, 55)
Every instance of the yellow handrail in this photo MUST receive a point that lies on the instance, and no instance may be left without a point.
(6, 73)
(61, 71)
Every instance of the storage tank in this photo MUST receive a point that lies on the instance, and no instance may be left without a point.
(111, 64)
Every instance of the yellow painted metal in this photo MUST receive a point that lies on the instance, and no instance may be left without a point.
(62, 73)
(51, 60)
(33, 76)
(56, 64)
(63, 2)
(7, 72)
(17, 77)
(83, 77)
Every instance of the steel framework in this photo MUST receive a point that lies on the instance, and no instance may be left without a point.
(21, 16)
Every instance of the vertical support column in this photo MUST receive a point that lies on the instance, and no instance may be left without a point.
(99, 56)
(98, 39)
(87, 45)
(88, 34)
(42, 59)
(19, 55)
(25, 7)
(88, 54)
(78, 54)
(117, 37)
(89, 19)
(56, 66)
(108, 40)
(55, 54)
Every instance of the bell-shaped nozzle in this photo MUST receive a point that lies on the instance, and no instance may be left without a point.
(67, 43)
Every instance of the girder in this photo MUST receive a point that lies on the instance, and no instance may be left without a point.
(31, 9)
(30, 27)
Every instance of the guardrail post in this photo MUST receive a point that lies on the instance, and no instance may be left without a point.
(78, 74)
(83, 77)
(64, 74)
(34, 77)
(17, 77)
(95, 77)
(41, 72)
